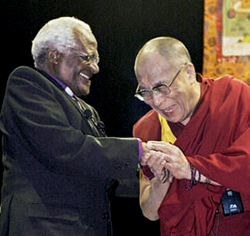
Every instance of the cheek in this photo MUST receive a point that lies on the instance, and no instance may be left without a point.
(73, 74)
(66, 70)
(71, 66)
(181, 104)
(70, 62)
(185, 107)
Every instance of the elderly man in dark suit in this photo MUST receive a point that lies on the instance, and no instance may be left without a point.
(58, 164)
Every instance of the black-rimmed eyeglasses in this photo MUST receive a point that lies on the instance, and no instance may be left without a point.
(159, 90)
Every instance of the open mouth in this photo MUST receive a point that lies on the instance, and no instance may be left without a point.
(84, 76)
(85, 79)
(169, 110)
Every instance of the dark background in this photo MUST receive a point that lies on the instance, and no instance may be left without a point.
(121, 28)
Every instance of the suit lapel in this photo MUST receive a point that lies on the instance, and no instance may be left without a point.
(90, 124)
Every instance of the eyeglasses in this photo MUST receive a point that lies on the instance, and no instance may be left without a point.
(89, 59)
(159, 90)
(86, 57)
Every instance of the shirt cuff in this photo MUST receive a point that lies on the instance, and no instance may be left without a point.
(140, 149)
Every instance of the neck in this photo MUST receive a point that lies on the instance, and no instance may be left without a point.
(193, 102)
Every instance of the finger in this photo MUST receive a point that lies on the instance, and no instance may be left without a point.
(161, 146)
(157, 143)
(162, 157)
(144, 159)
(165, 175)
(171, 178)
(145, 148)
(169, 166)
(156, 162)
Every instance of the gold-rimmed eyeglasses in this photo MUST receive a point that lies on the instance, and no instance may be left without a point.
(86, 57)
(159, 90)
(89, 59)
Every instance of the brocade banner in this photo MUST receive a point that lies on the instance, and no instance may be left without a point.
(227, 39)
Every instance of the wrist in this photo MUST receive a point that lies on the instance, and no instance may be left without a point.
(195, 177)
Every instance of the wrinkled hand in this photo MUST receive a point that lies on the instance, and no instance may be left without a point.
(156, 163)
(144, 157)
(170, 157)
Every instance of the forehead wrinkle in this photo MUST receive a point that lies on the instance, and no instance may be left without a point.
(153, 78)
(152, 65)
(86, 41)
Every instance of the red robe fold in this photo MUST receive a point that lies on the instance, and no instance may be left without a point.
(217, 142)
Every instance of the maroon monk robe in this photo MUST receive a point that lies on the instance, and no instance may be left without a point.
(217, 142)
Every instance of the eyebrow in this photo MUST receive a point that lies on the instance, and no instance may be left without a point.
(156, 85)
(83, 54)
(159, 83)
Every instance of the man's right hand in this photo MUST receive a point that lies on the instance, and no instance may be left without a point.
(145, 155)
(155, 160)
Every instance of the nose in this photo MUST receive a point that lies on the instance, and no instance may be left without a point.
(94, 68)
(157, 99)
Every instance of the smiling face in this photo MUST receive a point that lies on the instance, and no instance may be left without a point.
(153, 69)
(77, 65)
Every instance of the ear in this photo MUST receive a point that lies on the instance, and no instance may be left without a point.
(53, 56)
(191, 73)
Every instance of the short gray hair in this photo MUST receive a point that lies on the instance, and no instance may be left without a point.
(57, 34)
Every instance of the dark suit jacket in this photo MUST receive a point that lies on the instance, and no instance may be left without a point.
(56, 170)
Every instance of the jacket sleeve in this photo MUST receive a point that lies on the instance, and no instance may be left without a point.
(37, 114)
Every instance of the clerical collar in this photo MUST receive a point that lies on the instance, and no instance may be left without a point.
(63, 85)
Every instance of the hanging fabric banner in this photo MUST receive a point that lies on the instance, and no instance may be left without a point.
(227, 39)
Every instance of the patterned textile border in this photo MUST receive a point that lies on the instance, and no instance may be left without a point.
(215, 64)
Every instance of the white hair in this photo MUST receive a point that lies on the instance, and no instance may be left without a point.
(57, 34)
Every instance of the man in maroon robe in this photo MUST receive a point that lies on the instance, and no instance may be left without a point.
(211, 121)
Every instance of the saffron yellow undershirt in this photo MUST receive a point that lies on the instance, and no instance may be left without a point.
(166, 133)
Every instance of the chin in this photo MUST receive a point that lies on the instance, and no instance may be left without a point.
(85, 93)
(172, 119)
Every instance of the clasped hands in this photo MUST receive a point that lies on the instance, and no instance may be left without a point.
(166, 161)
